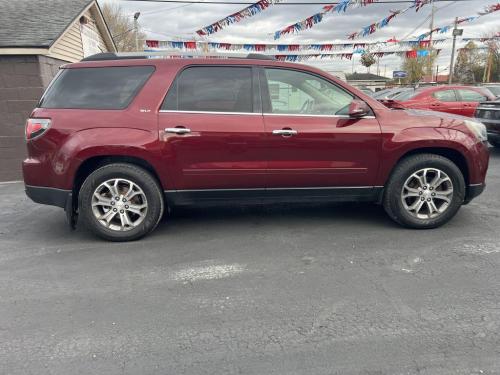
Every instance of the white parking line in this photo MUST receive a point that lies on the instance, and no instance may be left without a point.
(212, 272)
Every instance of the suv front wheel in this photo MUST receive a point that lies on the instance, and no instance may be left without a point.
(120, 202)
(424, 191)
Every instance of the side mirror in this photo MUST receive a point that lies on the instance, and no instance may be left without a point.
(358, 108)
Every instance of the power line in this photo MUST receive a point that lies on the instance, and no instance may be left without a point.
(426, 19)
(225, 2)
(158, 9)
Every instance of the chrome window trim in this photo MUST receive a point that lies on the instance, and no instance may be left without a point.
(263, 114)
(212, 112)
(306, 115)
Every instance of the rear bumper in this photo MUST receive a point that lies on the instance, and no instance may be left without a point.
(473, 191)
(50, 196)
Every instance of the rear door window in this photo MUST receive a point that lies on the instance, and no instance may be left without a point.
(471, 96)
(96, 88)
(211, 89)
(445, 95)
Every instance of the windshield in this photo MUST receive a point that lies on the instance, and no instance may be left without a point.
(405, 95)
(383, 93)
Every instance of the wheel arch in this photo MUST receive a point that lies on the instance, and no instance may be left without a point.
(92, 163)
(450, 153)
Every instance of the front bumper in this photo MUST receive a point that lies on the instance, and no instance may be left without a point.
(50, 196)
(473, 191)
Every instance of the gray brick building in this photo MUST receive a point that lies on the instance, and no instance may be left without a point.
(36, 38)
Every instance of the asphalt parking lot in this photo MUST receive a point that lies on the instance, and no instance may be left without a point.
(257, 290)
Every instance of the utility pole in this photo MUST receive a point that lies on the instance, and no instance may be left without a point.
(486, 67)
(489, 64)
(456, 32)
(136, 29)
(430, 70)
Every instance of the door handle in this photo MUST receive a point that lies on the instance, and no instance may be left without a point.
(285, 132)
(178, 130)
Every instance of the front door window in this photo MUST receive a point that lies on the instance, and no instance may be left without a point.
(294, 92)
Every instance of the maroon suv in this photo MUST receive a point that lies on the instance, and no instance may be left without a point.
(115, 140)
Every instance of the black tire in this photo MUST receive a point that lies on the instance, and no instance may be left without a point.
(130, 172)
(393, 203)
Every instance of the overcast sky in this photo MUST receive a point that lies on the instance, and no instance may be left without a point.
(167, 21)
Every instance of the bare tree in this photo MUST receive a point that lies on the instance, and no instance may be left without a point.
(122, 28)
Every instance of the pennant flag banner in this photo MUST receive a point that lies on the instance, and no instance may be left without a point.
(248, 12)
(442, 30)
(465, 49)
(412, 54)
(372, 28)
(206, 46)
(486, 39)
(310, 21)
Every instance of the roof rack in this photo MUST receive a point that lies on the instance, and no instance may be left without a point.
(159, 54)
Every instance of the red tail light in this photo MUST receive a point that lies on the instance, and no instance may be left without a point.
(35, 127)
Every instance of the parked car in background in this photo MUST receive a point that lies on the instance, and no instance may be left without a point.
(118, 140)
(493, 88)
(390, 93)
(365, 89)
(489, 114)
(459, 100)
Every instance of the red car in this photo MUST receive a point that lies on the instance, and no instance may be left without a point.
(115, 141)
(459, 100)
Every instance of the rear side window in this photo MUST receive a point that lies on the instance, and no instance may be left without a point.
(471, 96)
(211, 89)
(445, 96)
(96, 88)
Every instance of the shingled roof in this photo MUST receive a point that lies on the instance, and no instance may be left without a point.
(36, 23)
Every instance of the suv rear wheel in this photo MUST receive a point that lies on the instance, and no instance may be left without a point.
(120, 202)
(424, 191)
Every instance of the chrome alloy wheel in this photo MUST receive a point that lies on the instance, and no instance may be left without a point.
(119, 204)
(427, 193)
